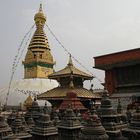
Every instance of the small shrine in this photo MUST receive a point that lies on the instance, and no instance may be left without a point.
(33, 111)
(30, 123)
(133, 130)
(5, 131)
(93, 129)
(110, 118)
(71, 99)
(69, 127)
(44, 128)
(19, 129)
(11, 118)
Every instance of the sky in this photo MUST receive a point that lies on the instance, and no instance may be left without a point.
(87, 28)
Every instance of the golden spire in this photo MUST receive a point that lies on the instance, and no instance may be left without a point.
(39, 17)
(39, 60)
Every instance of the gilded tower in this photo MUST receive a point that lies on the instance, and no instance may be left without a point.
(38, 61)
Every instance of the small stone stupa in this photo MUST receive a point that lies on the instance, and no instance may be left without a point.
(71, 98)
(33, 111)
(110, 118)
(93, 129)
(5, 131)
(69, 127)
(19, 129)
(44, 128)
(11, 118)
(133, 130)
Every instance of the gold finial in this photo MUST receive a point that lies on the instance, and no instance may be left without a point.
(70, 63)
(40, 8)
(39, 17)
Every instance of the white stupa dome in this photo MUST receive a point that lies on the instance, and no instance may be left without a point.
(21, 89)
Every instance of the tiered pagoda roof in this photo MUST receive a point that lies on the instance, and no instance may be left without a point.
(64, 77)
(69, 70)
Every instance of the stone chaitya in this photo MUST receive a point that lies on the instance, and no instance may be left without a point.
(11, 118)
(33, 111)
(30, 123)
(44, 128)
(133, 130)
(69, 127)
(19, 129)
(93, 129)
(71, 98)
(5, 131)
(122, 116)
(110, 118)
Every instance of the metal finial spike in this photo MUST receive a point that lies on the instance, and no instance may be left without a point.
(40, 8)
(70, 63)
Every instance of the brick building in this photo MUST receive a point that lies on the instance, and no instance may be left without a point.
(122, 73)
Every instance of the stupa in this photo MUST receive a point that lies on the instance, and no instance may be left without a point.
(71, 99)
(5, 131)
(69, 127)
(34, 111)
(133, 130)
(38, 64)
(110, 118)
(19, 129)
(93, 129)
(11, 118)
(44, 129)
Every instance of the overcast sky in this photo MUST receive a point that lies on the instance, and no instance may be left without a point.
(87, 28)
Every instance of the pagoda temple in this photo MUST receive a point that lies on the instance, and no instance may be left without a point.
(64, 77)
